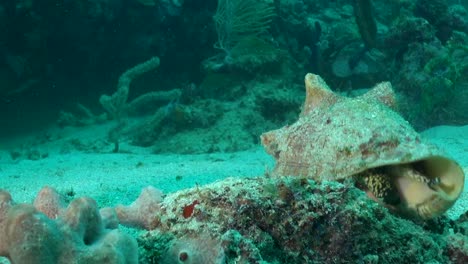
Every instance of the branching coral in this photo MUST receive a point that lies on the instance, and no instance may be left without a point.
(118, 107)
(116, 104)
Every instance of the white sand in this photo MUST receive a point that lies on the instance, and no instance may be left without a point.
(118, 178)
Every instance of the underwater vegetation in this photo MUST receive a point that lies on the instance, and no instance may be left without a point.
(219, 53)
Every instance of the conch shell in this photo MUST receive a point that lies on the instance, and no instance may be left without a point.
(365, 139)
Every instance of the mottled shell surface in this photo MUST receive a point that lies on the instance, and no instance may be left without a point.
(337, 137)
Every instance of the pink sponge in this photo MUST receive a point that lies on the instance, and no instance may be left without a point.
(73, 235)
(142, 213)
(49, 202)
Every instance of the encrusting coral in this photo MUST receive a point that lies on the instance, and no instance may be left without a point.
(290, 220)
(258, 220)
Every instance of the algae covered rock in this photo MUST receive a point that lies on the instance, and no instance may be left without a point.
(295, 220)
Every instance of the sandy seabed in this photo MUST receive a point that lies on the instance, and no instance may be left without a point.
(117, 178)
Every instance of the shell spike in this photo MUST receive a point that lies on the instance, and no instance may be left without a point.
(383, 93)
(317, 94)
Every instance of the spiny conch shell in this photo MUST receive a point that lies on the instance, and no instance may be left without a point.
(364, 138)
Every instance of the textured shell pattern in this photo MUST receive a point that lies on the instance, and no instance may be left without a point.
(337, 137)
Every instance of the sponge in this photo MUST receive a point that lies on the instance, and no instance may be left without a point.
(75, 234)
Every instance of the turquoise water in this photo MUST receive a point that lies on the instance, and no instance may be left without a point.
(101, 98)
